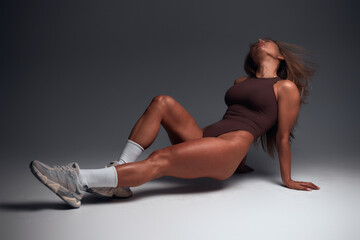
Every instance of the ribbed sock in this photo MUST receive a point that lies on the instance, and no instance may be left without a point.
(131, 151)
(107, 177)
(103, 177)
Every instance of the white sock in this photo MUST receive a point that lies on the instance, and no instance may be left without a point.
(103, 177)
(131, 151)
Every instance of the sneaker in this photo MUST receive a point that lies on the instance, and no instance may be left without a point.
(111, 191)
(62, 180)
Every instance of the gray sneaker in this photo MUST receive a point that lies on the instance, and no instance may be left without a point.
(62, 180)
(110, 191)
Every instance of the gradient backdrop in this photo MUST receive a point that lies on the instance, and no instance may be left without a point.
(76, 75)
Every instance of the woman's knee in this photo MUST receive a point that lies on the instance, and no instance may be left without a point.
(162, 101)
(159, 160)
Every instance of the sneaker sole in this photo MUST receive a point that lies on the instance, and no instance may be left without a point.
(122, 193)
(90, 190)
(118, 193)
(55, 187)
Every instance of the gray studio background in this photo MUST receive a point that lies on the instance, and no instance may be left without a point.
(76, 75)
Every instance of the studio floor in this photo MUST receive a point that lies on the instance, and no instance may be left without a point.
(77, 75)
(246, 206)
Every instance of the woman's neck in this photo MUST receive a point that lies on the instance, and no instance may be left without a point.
(267, 69)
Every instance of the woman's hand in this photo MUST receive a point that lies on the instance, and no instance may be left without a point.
(307, 186)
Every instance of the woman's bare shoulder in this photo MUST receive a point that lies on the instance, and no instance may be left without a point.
(288, 90)
(287, 84)
(240, 79)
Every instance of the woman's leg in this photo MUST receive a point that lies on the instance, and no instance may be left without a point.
(213, 157)
(178, 123)
(166, 111)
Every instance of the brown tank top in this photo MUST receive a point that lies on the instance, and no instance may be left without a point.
(252, 106)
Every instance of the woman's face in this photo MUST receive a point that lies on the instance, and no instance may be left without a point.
(265, 47)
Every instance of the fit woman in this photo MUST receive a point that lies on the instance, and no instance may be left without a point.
(261, 106)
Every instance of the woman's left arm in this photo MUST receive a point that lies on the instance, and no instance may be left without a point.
(288, 110)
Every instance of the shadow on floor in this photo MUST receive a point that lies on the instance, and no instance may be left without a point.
(185, 186)
(33, 206)
(179, 186)
(192, 186)
(257, 174)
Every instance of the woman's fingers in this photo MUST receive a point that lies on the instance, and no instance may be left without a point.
(311, 185)
(298, 185)
(314, 186)
(307, 188)
(304, 187)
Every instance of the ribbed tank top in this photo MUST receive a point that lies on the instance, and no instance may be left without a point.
(252, 106)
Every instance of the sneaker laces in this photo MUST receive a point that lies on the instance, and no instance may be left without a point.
(66, 168)
(62, 167)
(70, 169)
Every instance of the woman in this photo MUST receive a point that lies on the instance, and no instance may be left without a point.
(262, 106)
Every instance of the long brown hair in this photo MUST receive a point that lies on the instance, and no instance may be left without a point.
(295, 67)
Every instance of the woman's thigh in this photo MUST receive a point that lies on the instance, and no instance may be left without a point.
(205, 157)
(177, 121)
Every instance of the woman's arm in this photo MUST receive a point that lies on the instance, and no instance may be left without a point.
(288, 109)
